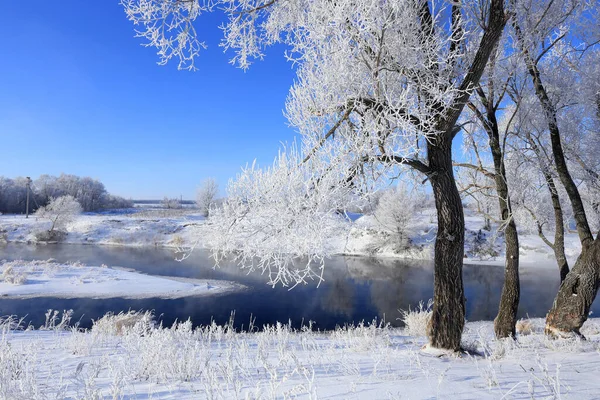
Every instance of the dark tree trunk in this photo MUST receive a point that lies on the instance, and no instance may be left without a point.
(576, 294)
(578, 290)
(506, 320)
(559, 229)
(448, 317)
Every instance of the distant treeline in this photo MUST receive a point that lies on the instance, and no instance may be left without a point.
(90, 193)
(160, 201)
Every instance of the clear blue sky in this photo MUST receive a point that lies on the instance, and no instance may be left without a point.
(80, 95)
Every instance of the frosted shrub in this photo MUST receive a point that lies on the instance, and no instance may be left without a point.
(11, 276)
(135, 322)
(416, 321)
(524, 327)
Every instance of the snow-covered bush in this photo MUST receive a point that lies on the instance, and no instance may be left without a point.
(121, 323)
(524, 327)
(172, 203)
(416, 321)
(9, 275)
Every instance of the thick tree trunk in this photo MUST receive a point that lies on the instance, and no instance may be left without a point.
(448, 317)
(578, 291)
(576, 294)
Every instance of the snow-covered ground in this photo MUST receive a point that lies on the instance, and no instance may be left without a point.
(185, 228)
(125, 357)
(28, 279)
(147, 227)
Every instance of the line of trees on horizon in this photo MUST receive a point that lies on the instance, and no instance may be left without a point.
(90, 193)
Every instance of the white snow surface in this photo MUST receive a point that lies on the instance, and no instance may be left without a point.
(76, 280)
(363, 362)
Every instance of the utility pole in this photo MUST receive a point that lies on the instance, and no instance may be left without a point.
(27, 203)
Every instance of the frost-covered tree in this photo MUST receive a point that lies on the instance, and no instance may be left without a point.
(395, 210)
(60, 212)
(380, 86)
(206, 195)
(552, 38)
(539, 198)
(487, 177)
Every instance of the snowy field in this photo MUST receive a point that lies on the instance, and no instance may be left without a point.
(127, 357)
(28, 279)
(363, 235)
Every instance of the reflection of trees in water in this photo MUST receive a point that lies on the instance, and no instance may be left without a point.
(340, 297)
(483, 284)
(394, 284)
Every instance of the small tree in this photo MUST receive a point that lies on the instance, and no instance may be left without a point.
(60, 212)
(395, 209)
(207, 193)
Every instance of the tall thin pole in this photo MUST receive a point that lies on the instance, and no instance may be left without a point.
(28, 190)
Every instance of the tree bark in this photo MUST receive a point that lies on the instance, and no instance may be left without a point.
(559, 229)
(576, 294)
(578, 290)
(448, 317)
(506, 320)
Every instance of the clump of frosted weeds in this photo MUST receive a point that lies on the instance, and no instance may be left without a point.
(55, 321)
(135, 322)
(524, 327)
(417, 320)
(10, 275)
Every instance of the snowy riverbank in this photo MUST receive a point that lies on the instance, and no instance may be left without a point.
(29, 279)
(363, 235)
(128, 357)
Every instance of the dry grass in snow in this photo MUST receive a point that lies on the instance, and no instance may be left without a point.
(127, 356)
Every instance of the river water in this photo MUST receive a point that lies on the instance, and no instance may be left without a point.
(355, 289)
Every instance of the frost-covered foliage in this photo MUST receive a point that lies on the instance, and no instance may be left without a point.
(416, 321)
(9, 275)
(168, 26)
(395, 210)
(138, 322)
(60, 212)
(206, 195)
(281, 220)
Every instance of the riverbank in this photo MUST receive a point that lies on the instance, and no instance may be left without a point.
(363, 236)
(30, 279)
(128, 356)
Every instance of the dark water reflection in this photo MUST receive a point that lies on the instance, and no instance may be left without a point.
(355, 289)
